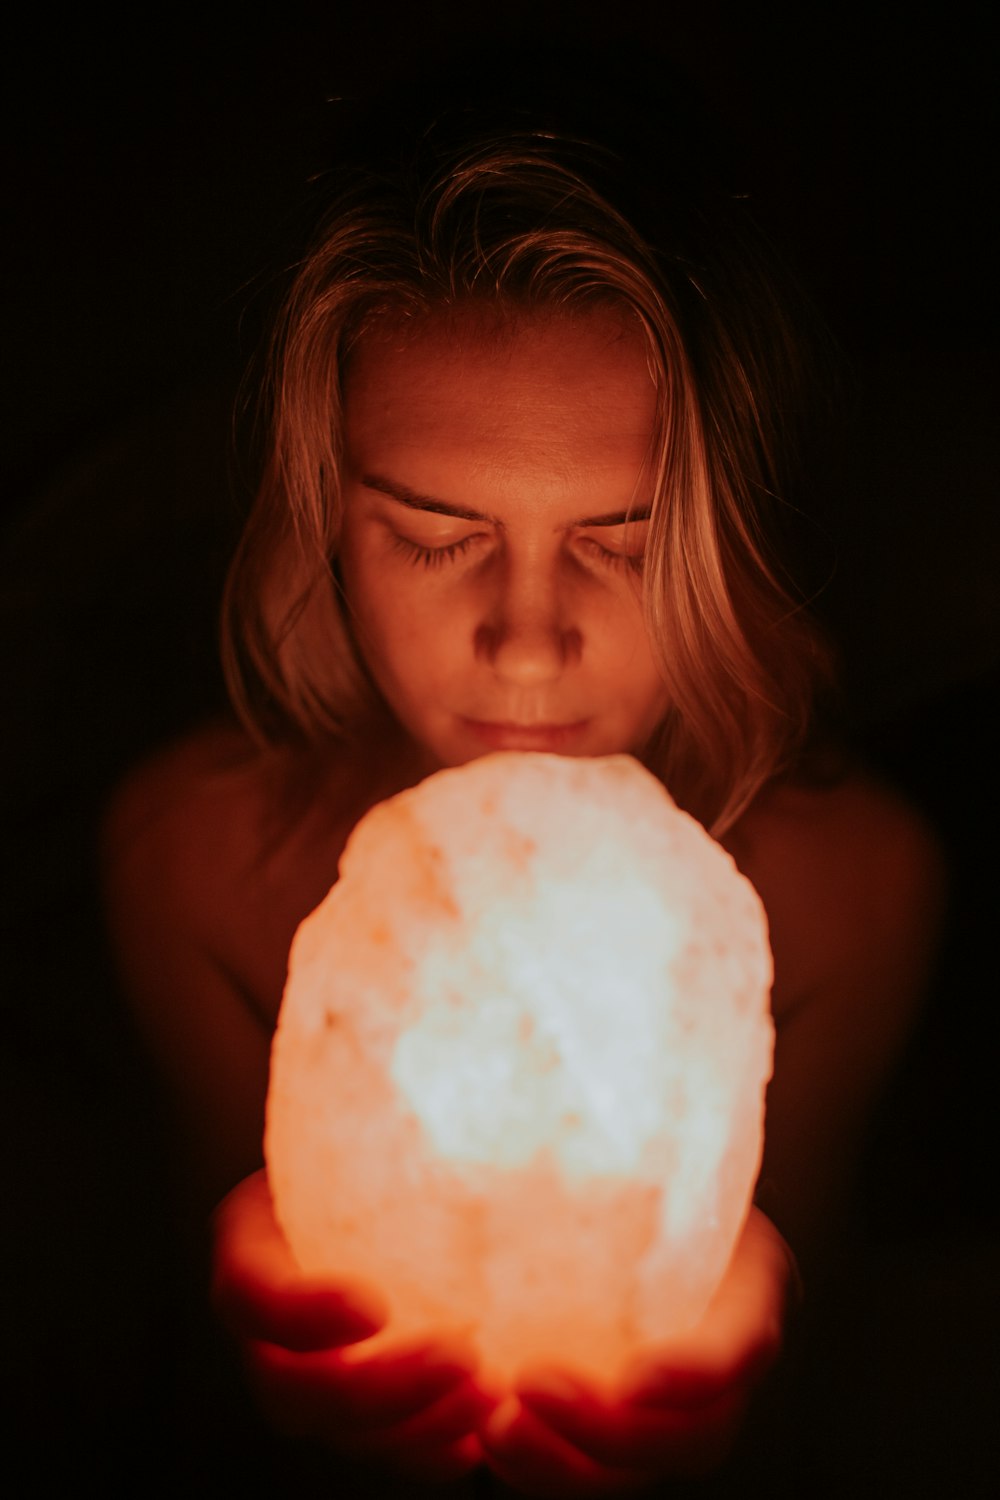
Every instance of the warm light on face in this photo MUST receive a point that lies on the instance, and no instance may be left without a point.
(495, 483)
(518, 1076)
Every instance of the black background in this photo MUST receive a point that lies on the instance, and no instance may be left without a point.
(158, 181)
(157, 176)
(155, 160)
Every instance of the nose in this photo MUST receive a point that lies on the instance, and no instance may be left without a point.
(526, 636)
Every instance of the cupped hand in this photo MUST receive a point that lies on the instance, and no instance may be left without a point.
(325, 1366)
(675, 1412)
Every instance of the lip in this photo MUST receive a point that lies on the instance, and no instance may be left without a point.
(555, 738)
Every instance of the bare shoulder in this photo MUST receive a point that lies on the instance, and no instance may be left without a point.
(211, 773)
(208, 840)
(212, 854)
(186, 823)
(853, 882)
(853, 879)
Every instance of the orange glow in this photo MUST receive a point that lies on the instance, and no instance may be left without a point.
(518, 1076)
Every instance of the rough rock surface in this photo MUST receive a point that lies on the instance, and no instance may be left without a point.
(519, 1071)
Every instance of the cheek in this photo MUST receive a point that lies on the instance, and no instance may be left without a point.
(640, 679)
(405, 628)
(619, 634)
(371, 592)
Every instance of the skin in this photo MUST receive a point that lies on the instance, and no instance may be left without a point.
(514, 622)
(490, 571)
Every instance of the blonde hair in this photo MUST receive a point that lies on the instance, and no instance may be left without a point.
(525, 222)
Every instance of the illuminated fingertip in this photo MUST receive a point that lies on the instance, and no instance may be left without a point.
(501, 1421)
(358, 1301)
(356, 1325)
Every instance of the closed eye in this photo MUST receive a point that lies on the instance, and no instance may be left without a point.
(623, 547)
(431, 557)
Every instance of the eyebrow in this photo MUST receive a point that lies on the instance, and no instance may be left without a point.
(414, 500)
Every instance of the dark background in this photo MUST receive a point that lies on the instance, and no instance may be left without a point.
(158, 181)
(159, 171)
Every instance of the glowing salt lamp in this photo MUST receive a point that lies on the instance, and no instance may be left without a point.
(519, 1071)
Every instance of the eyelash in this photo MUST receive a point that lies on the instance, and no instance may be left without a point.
(431, 557)
(618, 561)
(437, 557)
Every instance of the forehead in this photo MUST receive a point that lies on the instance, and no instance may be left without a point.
(516, 389)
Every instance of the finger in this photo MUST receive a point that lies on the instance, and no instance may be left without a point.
(462, 1410)
(441, 1465)
(434, 1444)
(655, 1439)
(528, 1455)
(439, 1428)
(333, 1397)
(259, 1291)
(736, 1341)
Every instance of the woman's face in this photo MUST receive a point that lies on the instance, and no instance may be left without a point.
(486, 558)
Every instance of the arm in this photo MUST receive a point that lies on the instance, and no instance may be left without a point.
(186, 923)
(164, 862)
(856, 923)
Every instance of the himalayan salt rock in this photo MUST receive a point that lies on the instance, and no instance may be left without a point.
(518, 1077)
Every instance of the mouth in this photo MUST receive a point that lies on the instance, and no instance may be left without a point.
(554, 738)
